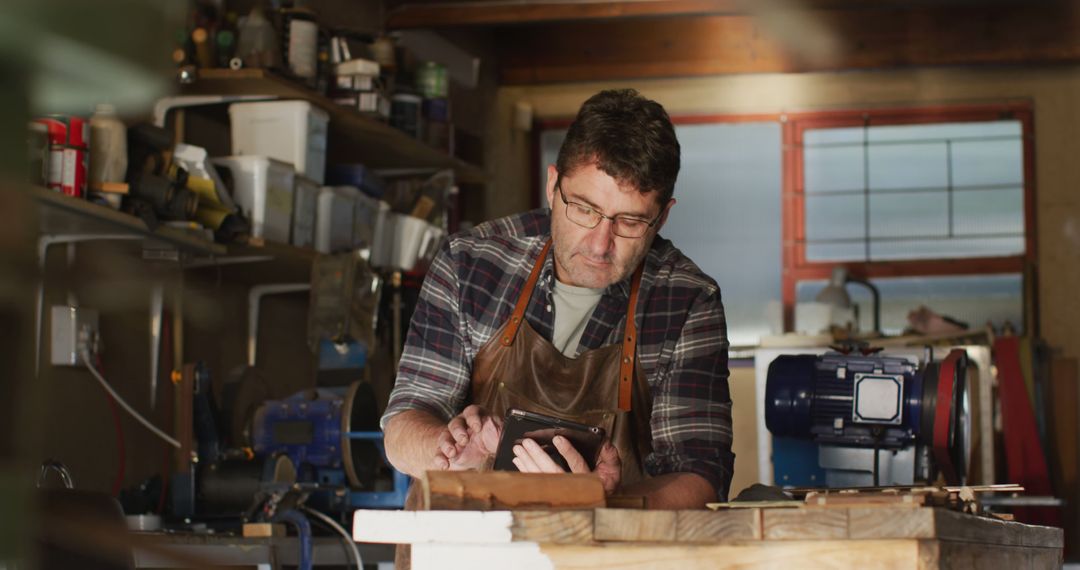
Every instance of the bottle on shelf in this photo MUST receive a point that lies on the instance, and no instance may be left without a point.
(108, 146)
(300, 40)
(257, 45)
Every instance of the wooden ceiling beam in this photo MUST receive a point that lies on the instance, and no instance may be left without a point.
(412, 14)
(455, 14)
(820, 40)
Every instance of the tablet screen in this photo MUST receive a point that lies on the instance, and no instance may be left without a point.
(521, 424)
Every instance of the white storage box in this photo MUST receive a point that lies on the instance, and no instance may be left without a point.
(334, 220)
(366, 219)
(263, 190)
(305, 205)
(404, 242)
(290, 131)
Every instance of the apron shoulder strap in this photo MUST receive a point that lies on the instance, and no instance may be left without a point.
(629, 344)
(510, 332)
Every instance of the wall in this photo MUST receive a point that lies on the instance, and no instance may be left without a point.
(75, 422)
(1053, 90)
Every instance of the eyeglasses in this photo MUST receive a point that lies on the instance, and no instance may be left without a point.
(621, 225)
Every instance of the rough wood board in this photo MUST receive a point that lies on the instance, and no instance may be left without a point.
(954, 526)
(878, 554)
(718, 526)
(935, 554)
(557, 527)
(495, 490)
(925, 523)
(631, 525)
(804, 524)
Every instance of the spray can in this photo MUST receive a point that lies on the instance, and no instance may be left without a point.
(68, 137)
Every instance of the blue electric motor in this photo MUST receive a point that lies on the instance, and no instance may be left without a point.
(311, 428)
(859, 400)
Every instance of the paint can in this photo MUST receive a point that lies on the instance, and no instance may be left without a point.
(68, 137)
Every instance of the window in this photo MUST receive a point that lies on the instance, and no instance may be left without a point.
(932, 205)
(918, 201)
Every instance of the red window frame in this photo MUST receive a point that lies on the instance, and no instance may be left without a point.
(793, 199)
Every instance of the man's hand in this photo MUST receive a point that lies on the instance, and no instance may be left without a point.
(529, 457)
(417, 441)
(470, 439)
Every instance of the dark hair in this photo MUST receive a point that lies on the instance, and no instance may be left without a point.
(628, 137)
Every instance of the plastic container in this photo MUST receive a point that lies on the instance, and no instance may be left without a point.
(365, 220)
(301, 36)
(108, 146)
(263, 190)
(431, 80)
(305, 206)
(404, 242)
(257, 45)
(356, 175)
(289, 131)
(334, 220)
(405, 113)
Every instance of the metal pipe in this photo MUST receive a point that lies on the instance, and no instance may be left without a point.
(254, 299)
(877, 299)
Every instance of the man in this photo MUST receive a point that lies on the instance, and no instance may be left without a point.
(579, 312)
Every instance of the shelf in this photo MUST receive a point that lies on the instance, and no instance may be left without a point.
(263, 264)
(374, 143)
(63, 215)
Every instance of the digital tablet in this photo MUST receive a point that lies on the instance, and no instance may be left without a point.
(520, 425)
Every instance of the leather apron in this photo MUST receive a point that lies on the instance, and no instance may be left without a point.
(518, 368)
(604, 387)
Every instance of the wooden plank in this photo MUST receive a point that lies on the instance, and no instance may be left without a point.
(61, 214)
(955, 526)
(878, 554)
(889, 523)
(884, 523)
(351, 134)
(852, 500)
(969, 556)
(557, 527)
(444, 14)
(626, 502)
(492, 490)
(451, 14)
(718, 526)
(804, 524)
(827, 39)
(631, 525)
(518, 555)
(263, 530)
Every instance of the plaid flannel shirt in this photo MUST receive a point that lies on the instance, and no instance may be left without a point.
(470, 291)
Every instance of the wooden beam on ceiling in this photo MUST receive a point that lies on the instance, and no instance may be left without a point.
(447, 14)
(434, 14)
(785, 42)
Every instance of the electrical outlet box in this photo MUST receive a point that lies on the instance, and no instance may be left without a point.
(72, 329)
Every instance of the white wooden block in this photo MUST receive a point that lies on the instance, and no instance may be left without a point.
(413, 527)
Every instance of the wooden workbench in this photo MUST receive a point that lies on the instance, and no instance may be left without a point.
(788, 538)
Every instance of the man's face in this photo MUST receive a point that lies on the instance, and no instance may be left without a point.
(596, 258)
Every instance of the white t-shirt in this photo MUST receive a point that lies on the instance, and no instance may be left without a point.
(573, 307)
